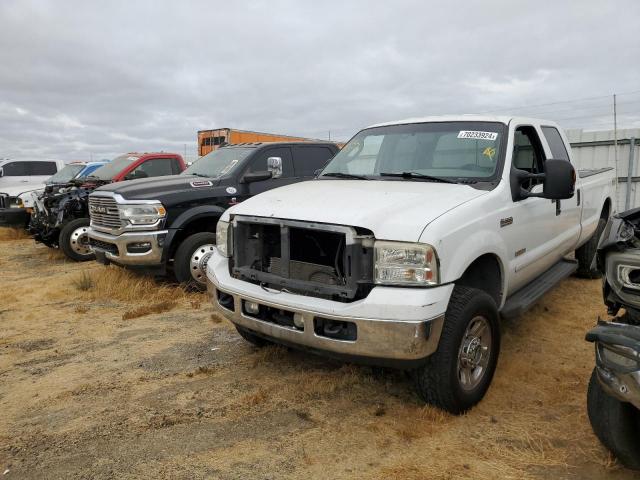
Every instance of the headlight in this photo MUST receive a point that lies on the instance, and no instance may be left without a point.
(146, 214)
(398, 263)
(15, 202)
(619, 357)
(223, 240)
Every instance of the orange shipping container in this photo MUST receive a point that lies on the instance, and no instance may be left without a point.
(209, 140)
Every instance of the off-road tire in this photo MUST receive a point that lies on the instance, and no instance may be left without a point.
(65, 240)
(251, 337)
(587, 252)
(182, 259)
(615, 423)
(438, 382)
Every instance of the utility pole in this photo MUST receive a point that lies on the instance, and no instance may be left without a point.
(615, 141)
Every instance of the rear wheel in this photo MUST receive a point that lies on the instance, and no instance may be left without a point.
(615, 423)
(587, 252)
(458, 374)
(190, 260)
(74, 240)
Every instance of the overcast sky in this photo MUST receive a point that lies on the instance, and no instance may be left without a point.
(82, 79)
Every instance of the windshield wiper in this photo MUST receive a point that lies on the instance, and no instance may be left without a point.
(416, 175)
(344, 175)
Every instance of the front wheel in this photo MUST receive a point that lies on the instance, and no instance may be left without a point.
(457, 376)
(190, 260)
(74, 240)
(615, 423)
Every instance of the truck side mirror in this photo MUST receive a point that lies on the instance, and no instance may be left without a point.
(274, 165)
(558, 181)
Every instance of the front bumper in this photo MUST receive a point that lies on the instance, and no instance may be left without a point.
(394, 326)
(118, 248)
(15, 217)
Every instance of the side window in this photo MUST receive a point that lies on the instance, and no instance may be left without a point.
(556, 145)
(156, 167)
(175, 166)
(42, 168)
(259, 163)
(528, 154)
(15, 169)
(306, 160)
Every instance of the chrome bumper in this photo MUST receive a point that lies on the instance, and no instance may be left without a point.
(395, 340)
(119, 253)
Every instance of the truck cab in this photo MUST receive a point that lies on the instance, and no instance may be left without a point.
(60, 216)
(17, 179)
(168, 225)
(410, 245)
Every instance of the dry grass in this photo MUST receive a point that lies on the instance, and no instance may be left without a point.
(142, 310)
(12, 233)
(115, 283)
(83, 282)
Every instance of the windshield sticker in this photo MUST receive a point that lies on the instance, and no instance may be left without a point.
(489, 152)
(201, 183)
(231, 190)
(229, 167)
(475, 135)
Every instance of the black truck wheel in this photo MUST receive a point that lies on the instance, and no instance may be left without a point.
(74, 240)
(190, 260)
(615, 423)
(251, 337)
(587, 252)
(458, 374)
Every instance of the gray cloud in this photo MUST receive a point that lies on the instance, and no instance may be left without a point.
(81, 79)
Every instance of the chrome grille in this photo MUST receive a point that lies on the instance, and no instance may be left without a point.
(104, 212)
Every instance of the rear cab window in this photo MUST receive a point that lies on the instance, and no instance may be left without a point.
(309, 158)
(555, 142)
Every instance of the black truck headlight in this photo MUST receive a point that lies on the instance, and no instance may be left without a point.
(410, 264)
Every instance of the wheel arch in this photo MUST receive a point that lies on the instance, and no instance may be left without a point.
(198, 219)
(606, 209)
(485, 273)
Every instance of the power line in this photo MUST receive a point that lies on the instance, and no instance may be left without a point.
(559, 102)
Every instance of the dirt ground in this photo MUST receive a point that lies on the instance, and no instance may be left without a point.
(104, 374)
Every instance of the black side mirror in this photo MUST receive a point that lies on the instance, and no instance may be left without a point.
(256, 177)
(559, 181)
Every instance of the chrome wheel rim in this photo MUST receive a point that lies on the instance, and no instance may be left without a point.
(474, 353)
(80, 241)
(198, 262)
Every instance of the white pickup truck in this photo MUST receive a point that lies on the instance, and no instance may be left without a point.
(410, 244)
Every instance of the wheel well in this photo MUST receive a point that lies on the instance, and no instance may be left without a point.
(202, 224)
(484, 274)
(606, 209)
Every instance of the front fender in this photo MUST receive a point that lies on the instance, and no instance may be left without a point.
(185, 218)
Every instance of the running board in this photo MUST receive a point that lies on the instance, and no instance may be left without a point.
(523, 299)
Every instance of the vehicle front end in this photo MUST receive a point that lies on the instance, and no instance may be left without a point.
(328, 288)
(126, 232)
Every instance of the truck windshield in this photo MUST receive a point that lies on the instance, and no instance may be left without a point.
(454, 151)
(219, 162)
(114, 167)
(69, 172)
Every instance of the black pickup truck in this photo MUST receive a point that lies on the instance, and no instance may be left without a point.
(167, 225)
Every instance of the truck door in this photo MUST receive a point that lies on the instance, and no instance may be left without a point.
(259, 164)
(531, 235)
(568, 211)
